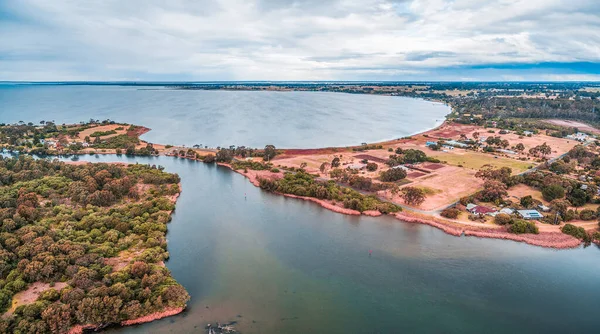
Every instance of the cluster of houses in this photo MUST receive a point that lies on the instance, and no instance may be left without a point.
(580, 137)
(448, 144)
(488, 211)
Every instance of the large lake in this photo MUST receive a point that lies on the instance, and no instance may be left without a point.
(223, 118)
(280, 265)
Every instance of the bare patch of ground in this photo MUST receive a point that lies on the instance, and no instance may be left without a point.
(450, 184)
(31, 294)
(574, 124)
(520, 190)
(102, 128)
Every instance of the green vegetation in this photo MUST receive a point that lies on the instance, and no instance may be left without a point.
(303, 184)
(520, 226)
(371, 166)
(366, 147)
(253, 165)
(392, 175)
(577, 232)
(503, 219)
(60, 222)
(103, 133)
(413, 195)
(451, 213)
(409, 156)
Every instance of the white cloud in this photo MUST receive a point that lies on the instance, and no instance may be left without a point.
(288, 40)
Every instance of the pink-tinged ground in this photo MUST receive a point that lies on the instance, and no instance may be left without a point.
(574, 124)
(153, 316)
(547, 238)
(79, 329)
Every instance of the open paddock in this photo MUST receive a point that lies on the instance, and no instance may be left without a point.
(574, 124)
(453, 130)
(476, 160)
(414, 175)
(102, 128)
(515, 193)
(432, 166)
(559, 146)
(446, 186)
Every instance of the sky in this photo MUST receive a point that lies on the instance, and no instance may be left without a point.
(210, 40)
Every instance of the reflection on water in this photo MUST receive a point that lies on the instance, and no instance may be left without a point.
(279, 265)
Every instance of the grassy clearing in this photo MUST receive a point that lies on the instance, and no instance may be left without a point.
(476, 160)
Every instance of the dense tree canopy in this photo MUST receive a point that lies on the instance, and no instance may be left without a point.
(62, 223)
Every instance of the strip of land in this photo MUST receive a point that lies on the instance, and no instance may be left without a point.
(426, 174)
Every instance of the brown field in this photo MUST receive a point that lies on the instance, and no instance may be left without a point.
(414, 175)
(445, 186)
(559, 145)
(433, 166)
(452, 130)
(370, 158)
(573, 124)
(521, 190)
(102, 128)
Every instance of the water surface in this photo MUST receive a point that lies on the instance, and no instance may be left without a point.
(223, 118)
(280, 265)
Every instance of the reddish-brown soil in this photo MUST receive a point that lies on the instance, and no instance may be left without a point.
(370, 158)
(451, 131)
(433, 166)
(138, 131)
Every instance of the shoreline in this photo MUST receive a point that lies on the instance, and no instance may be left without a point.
(554, 240)
(168, 312)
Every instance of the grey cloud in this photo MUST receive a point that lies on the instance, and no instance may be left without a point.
(286, 40)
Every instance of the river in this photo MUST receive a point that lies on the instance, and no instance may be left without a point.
(281, 265)
(223, 118)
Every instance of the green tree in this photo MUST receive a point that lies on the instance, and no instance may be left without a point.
(527, 201)
(392, 175)
(552, 192)
(413, 195)
(269, 153)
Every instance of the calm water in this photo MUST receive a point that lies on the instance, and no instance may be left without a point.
(279, 265)
(223, 118)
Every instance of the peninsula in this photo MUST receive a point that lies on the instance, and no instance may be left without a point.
(528, 181)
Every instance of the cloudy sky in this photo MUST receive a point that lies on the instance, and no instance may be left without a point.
(204, 40)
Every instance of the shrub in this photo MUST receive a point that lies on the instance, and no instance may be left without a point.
(371, 166)
(522, 226)
(502, 219)
(413, 195)
(392, 175)
(527, 201)
(577, 232)
(274, 170)
(587, 214)
(209, 158)
(552, 192)
(451, 213)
